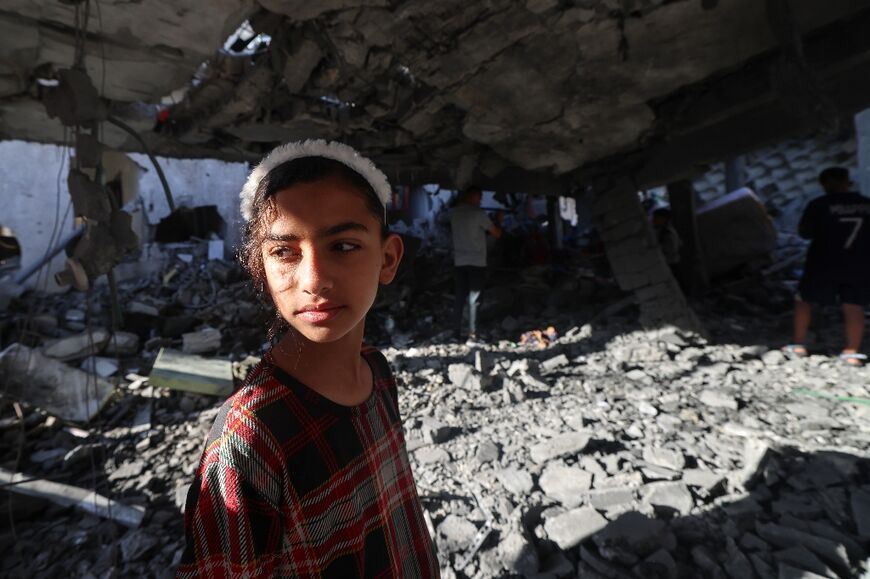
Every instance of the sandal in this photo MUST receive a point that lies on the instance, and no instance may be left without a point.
(853, 358)
(795, 350)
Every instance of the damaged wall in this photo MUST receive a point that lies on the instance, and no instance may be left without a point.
(36, 177)
(195, 182)
(785, 175)
(35, 200)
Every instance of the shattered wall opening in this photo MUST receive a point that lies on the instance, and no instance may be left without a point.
(10, 251)
(186, 223)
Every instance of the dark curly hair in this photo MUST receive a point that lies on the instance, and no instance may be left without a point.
(264, 212)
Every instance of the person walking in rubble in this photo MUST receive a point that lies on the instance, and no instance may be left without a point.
(305, 472)
(470, 224)
(838, 262)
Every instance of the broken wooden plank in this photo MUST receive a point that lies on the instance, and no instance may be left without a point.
(180, 371)
(57, 388)
(70, 496)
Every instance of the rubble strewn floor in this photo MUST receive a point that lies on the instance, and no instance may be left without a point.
(611, 452)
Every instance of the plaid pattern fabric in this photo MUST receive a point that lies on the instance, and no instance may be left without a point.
(291, 484)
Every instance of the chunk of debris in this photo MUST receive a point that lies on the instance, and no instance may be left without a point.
(202, 341)
(180, 371)
(69, 496)
(568, 444)
(572, 527)
(66, 392)
(78, 346)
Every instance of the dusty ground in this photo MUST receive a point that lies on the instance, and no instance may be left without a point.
(612, 452)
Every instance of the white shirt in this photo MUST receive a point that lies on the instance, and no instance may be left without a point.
(469, 224)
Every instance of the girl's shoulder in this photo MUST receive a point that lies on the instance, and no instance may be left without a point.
(381, 368)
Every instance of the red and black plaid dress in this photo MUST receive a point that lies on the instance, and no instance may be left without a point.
(291, 484)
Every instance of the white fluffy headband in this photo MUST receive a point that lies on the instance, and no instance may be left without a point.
(314, 148)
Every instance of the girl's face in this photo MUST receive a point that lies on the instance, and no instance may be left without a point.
(324, 258)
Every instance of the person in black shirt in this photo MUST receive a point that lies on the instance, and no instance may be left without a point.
(838, 227)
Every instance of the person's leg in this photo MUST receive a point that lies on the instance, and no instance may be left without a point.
(812, 289)
(855, 295)
(854, 326)
(476, 281)
(802, 318)
(460, 278)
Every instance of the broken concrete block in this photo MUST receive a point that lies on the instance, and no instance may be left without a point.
(718, 399)
(706, 560)
(464, 375)
(745, 218)
(773, 358)
(487, 451)
(180, 371)
(148, 308)
(435, 432)
(51, 385)
(669, 496)
(568, 444)
(102, 367)
(801, 558)
(570, 528)
(555, 362)
(137, 543)
(671, 459)
(610, 498)
(861, 511)
(515, 480)
(122, 344)
(636, 533)
(756, 454)
(601, 565)
(432, 455)
(78, 346)
(205, 340)
(659, 564)
(516, 554)
(524, 366)
(705, 482)
(84, 500)
(565, 484)
(833, 553)
(622, 480)
(455, 533)
(738, 565)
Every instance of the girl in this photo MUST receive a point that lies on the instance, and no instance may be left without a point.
(305, 472)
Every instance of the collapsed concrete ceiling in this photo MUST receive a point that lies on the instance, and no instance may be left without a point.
(498, 89)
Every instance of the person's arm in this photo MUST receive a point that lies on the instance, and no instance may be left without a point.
(232, 520)
(494, 228)
(808, 225)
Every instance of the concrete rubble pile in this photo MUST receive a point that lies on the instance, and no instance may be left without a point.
(640, 454)
(609, 451)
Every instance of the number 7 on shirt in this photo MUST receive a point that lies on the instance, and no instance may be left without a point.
(856, 222)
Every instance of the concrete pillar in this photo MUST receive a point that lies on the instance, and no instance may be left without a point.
(693, 272)
(862, 133)
(636, 260)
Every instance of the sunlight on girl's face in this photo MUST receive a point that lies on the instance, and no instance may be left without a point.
(324, 257)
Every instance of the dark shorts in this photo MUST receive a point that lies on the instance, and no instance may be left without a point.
(824, 290)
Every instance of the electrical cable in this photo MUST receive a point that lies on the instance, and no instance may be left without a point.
(132, 132)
